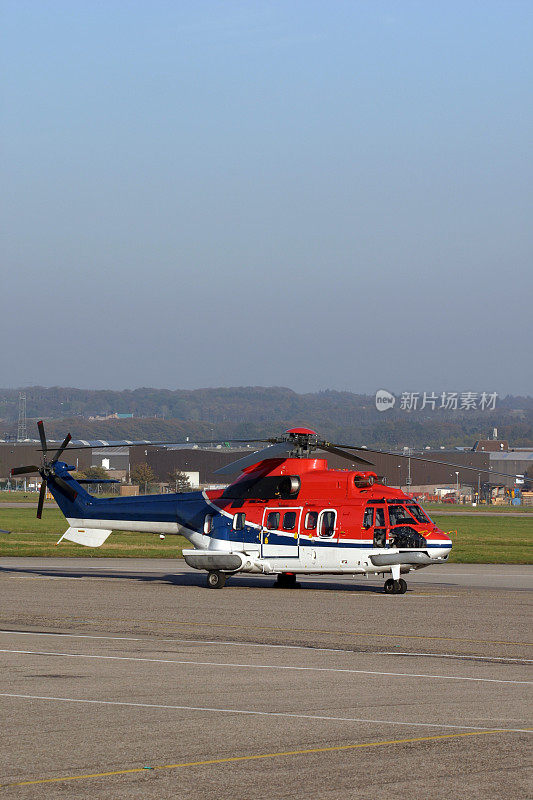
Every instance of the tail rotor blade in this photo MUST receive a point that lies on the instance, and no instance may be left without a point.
(42, 494)
(66, 440)
(42, 437)
(65, 488)
(24, 470)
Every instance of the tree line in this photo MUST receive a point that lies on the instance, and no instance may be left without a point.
(245, 412)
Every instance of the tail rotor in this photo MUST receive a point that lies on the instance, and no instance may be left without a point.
(46, 470)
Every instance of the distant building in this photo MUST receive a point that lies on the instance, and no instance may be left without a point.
(114, 415)
(514, 462)
(111, 457)
(394, 468)
(18, 454)
(491, 446)
(164, 460)
(202, 463)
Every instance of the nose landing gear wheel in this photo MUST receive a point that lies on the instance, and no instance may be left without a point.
(395, 587)
(216, 579)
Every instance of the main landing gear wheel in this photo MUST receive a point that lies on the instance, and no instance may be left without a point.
(216, 579)
(286, 580)
(395, 587)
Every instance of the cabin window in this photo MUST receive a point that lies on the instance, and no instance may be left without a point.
(208, 523)
(289, 520)
(368, 519)
(380, 518)
(273, 521)
(326, 525)
(238, 521)
(311, 519)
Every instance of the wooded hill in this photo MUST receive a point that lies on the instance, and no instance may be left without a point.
(245, 412)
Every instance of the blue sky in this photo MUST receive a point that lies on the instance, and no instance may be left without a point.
(305, 194)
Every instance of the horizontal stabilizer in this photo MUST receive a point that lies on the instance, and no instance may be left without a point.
(89, 537)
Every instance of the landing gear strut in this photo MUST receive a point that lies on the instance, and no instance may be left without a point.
(216, 579)
(395, 587)
(286, 580)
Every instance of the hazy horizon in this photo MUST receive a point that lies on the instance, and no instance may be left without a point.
(370, 394)
(270, 194)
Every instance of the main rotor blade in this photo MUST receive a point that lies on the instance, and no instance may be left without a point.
(430, 460)
(338, 452)
(146, 443)
(24, 470)
(42, 436)
(274, 451)
(42, 494)
(65, 487)
(66, 440)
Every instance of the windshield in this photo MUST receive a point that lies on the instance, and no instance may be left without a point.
(418, 513)
(399, 516)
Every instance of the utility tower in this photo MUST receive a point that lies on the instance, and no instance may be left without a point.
(22, 431)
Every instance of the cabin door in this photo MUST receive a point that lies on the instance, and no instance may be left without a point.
(280, 532)
(374, 525)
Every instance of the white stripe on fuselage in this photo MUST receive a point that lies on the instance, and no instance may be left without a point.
(202, 541)
(227, 514)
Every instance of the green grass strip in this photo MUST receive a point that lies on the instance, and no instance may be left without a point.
(486, 540)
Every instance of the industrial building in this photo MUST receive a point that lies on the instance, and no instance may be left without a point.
(201, 463)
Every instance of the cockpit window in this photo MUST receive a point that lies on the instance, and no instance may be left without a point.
(418, 513)
(380, 517)
(368, 519)
(399, 516)
(405, 536)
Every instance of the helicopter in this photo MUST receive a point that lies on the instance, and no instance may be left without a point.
(285, 514)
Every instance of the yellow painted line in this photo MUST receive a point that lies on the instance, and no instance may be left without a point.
(306, 630)
(234, 759)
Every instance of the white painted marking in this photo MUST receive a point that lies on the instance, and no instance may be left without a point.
(259, 713)
(273, 667)
(273, 646)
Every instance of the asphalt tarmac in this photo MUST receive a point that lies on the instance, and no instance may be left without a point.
(131, 679)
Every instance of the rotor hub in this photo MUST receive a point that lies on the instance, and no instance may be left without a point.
(305, 441)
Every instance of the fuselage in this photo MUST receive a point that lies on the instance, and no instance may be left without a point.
(281, 515)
